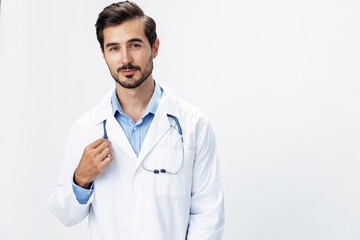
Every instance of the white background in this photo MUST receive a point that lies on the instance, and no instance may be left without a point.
(279, 79)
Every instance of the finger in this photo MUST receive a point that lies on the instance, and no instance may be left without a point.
(104, 153)
(106, 162)
(96, 143)
(102, 146)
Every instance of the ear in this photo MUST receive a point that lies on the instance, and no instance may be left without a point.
(155, 48)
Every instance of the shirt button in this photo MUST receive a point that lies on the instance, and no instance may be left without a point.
(141, 226)
(135, 128)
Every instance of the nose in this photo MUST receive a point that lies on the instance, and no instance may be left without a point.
(126, 57)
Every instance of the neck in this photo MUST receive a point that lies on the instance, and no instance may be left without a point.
(135, 100)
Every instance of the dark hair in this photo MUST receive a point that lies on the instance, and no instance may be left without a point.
(117, 13)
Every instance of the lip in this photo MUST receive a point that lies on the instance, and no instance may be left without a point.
(128, 72)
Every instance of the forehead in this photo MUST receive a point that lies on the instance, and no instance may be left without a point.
(123, 32)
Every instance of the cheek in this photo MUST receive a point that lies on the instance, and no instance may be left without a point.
(111, 62)
(141, 59)
(112, 58)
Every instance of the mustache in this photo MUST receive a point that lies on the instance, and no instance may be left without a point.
(128, 67)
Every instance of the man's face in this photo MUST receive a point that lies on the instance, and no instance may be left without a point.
(128, 53)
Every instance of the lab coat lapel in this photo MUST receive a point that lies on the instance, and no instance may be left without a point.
(158, 128)
(115, 132)
(117, 135)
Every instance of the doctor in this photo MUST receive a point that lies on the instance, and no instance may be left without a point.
(143, 163)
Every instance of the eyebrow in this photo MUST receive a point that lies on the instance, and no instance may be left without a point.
(136, 40)
(110, 44)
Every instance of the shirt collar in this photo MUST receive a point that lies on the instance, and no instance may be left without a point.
(115, 104)
(151, 107)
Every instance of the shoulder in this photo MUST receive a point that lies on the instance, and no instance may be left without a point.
(196, 127)
(189, 114)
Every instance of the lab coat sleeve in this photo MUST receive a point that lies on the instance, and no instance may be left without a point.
(62, 200)
(206, 220)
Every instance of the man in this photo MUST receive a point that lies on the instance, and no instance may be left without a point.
(143, 163)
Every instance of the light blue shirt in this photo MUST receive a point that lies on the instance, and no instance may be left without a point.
(135, 132)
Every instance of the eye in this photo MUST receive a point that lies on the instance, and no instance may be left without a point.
(135, 45)
(113, 49)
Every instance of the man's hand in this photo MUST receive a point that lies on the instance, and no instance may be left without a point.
(93, 162)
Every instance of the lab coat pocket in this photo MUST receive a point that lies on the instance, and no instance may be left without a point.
(176, 182)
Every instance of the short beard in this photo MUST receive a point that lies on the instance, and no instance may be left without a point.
(130, 82)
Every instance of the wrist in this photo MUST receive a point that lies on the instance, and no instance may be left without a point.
(81, 182)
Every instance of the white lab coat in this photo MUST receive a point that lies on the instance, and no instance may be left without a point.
(131, 203)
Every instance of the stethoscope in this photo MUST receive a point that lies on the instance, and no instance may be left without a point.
(162, 170)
